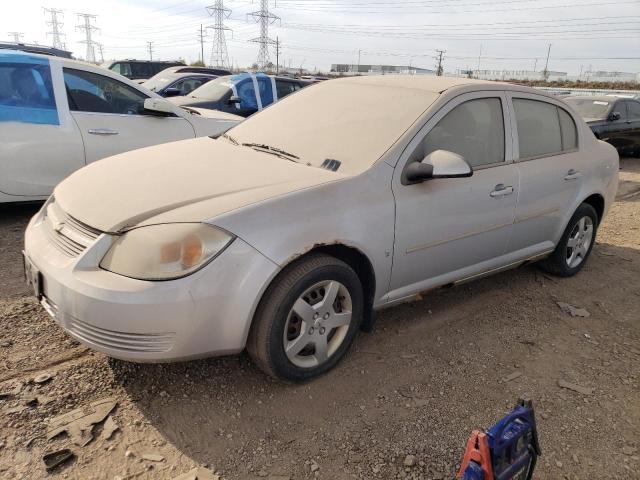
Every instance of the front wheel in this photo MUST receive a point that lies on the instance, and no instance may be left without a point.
(576, 243)
(307, 319)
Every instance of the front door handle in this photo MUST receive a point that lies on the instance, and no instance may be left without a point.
(572, 175)
(501, 191)
(102, 131)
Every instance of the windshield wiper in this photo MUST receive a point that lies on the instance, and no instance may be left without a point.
(230, 138)
(274, 150)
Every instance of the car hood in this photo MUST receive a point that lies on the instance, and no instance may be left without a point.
(187, 100)
(186, 181)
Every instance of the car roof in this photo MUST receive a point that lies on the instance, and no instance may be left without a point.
(427, 83)
(597, 98)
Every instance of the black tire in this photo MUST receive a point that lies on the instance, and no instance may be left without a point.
(556, 263)
(265, 343)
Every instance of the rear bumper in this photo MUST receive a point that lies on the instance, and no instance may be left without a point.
(207, 313)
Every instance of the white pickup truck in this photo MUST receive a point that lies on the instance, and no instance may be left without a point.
(58, 115)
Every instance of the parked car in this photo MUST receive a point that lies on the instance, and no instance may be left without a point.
(612, 119)
(243, 94)
(57, 115)
(172, 83)
(141, 69)
(284, 234)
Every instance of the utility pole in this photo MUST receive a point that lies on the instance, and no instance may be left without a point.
(150, 49)
(535, 65)
(358, 69)
(479, 57)
(219, 53)
(100, 47)
(89, 29)
(277, 55)
(440, 69)
(16, 36)
(264, 18)
(56, 25)
(201, 37)
(546, 65)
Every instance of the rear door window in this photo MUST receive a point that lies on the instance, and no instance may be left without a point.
(538, 124)
(141, 70)
(26, 90)
(90, 92)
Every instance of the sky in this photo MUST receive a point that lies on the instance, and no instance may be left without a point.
(494, 34)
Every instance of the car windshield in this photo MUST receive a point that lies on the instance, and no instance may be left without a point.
(353, 123)
(590, 107)
(157, 82)
(213, 90)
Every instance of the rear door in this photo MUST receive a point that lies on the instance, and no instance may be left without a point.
(551, 171)
(40, 143)
(111, 118)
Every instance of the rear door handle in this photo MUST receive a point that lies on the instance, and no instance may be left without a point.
(102, 131)
(501, 191)
(572, 175)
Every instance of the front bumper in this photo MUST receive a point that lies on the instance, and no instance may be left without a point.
(204, 314)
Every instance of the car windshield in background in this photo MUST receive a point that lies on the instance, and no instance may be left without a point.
(157, 82)
(590, 107)
(353, 123)
(214, 90)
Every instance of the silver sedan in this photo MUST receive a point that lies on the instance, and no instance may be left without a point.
(286, 234)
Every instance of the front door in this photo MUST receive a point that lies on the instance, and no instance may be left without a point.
(448, 229)
(40, 143)
(111, 119)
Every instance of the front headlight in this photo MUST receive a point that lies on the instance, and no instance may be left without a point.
(164, 252)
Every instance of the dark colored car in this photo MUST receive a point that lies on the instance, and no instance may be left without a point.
(171, 84)
(141, 69)
(612, 119)
(243, 94)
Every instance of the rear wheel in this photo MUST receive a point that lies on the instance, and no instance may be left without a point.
(307, 319)
(576, 243)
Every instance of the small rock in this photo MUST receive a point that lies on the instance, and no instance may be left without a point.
(573, 311)
(409, 461)
(575, 387)
(42, 378)
(574, 457)
(164, 394)
(314, 467)
(512, 376)
(128, 454)
(628, 450)
(152, 457)
(558, 464)
(263, 473)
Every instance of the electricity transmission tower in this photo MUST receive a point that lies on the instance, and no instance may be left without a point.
(56, 25)
(16, 36)
(89, 29)
(219, 53)
(440, 69)
(264, 18)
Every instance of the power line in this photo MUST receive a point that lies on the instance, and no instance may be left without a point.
(219, 53)
(56, 25)
(265, 18)
(88, 29)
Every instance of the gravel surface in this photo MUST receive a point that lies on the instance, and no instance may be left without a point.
(401, 405)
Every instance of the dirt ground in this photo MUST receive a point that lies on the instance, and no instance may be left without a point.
(431, 372)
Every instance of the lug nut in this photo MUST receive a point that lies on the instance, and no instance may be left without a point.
(322, 331)
(326, 315)
(311, 331)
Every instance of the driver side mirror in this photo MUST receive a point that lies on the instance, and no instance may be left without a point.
(159, 107)
(234, 100)
(613, 116)
(438, 164)
(172, 92)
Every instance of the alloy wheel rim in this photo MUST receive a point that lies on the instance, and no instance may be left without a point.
(317, 324)
(579, 242)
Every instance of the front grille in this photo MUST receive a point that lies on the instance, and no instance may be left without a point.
(69, 235)
(125, 342)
